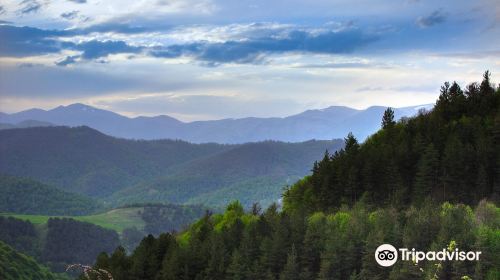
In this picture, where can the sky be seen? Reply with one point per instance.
(213, 59)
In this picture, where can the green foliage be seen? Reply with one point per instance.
(168, 218)
(21, 235)
(69, 241)
(16, 266)
(59, 242)
(388, 118)
(339, 245)
(25, 196)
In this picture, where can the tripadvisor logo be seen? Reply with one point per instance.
(387, 255)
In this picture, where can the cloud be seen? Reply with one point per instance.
(29, 65)
(30, 6)
(370, 88)
(2, 10)
(435, 18)
(253, 50)
(197, 105)
(115, 27)
(78, 1)
(97, 49)
(246, 47)
(346, 65)
(70, 15)
(472, 55)
(28, 41)
(67, 61)
(407, 88)
(47, 82)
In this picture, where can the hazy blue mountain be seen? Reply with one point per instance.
(24, 124)
(330, 123)
(119, 171)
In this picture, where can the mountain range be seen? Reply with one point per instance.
(331, 123)
(122, 171)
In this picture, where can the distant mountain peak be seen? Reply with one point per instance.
(323, 124)
(33, 111)
(78, 107)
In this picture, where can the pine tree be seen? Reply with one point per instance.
(426, 179)
(120, 264)
(388, 118)
(236, 268)
(217, 259)
(291, 269)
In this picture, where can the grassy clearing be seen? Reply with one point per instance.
(116, 219)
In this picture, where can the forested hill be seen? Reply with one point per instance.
(450, 154)
(388, 190)
(121, 171)
(252, 172)
(25, 196)
(86, 161)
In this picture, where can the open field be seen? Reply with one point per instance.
(116, 219)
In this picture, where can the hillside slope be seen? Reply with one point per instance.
(17, 266)
(254, 172)
(85, 161)
(24, 196)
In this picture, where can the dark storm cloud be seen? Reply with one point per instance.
(251, 51)
(435, 18)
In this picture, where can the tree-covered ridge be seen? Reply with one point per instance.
(16, 266)
(252, 172)
(85, 161)
(340, 245)
(451, 153)
(119, 171)
(26, 196)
